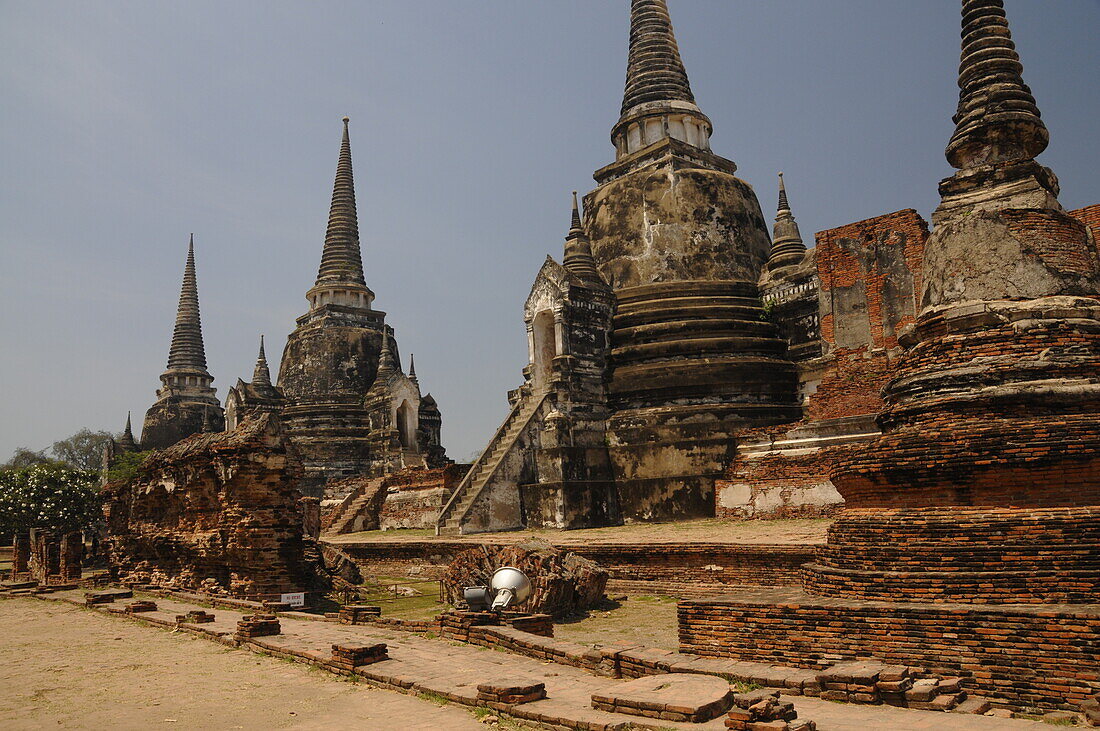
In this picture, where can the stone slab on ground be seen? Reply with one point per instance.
(670, 697)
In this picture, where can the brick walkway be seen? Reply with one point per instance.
(418, 664)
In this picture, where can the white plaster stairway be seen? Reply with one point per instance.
(485, 468)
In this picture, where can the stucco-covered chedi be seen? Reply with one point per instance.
(186, 401)
(331, 362)
(653, 321)
(682, 241)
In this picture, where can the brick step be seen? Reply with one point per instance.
(974, 704)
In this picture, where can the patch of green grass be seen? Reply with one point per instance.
(433, 697)
(742, 687)
(481, 712)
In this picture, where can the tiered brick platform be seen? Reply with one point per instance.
(1041, 656)
(962, 554)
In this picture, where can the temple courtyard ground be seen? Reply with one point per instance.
(791, 531)
(62, 666)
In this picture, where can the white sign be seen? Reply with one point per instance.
(297, 599)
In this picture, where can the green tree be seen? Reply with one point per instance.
(83, 450)
(49, 496)
(125, 467)
(24, 457)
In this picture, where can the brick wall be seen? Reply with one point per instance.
(415, 497)
(1046, 659)
(1090, 216)
(781, 483)
(870, 271)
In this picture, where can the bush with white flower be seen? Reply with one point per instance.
(48, 496)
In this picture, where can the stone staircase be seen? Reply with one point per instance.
(486, 466)
(349, 516)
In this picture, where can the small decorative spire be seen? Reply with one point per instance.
(127, 441)
(261, 375)
(578, 249)
(997, 119)
(207, 425)
(386, 362)
(412, 369)
(342, 259)
(187, 351)
(787, 245)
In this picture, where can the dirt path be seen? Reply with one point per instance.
(63, 667)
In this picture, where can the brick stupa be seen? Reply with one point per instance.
(985, 486)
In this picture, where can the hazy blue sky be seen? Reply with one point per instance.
(125, 126)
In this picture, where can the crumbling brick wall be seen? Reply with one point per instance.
(415, 497)
(868, 275)
(216, 512)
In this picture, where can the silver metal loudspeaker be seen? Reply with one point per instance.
(509, 587)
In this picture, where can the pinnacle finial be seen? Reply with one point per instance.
(655, 72)
(578, 249)
(784, 205)
(386, 362)
(412, 368)
(261, 375)
(341, 260)
(787, 245)
(187, 351)
(997, 119)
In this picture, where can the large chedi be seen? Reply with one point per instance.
(985, 485)
(331, 362)
(186, 401)
(649, 348)
(682, 241)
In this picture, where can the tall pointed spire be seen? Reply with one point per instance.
(578, 249)
(187, 351)
(654, 72)
(657, 101)
(784, 204)
(412, 369)
(342, 260)
(997, 119)
(261, 375)
(787, 245)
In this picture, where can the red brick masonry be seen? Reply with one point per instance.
(1044, 656)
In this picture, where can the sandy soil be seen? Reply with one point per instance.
(64, 667)
(782, 532)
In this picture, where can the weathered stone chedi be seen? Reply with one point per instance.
(682, 241)
(970, 537)
(649, 347)
(990, 459)
(350, 409)
(186, 402)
